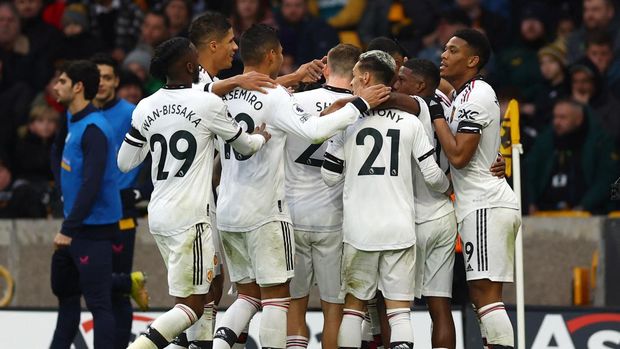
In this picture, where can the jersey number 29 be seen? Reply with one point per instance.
(187, 155)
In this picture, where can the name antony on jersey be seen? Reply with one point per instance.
(170, 109)
(386, 113)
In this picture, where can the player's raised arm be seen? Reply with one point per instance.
(252, 81)
(403, 102)
(423, 153)
(133, 151)
(308, 72)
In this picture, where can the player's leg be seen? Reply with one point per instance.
(94, 263)
(65, 286)
(397, 283)
(490, 268)
(239, 314)
(297, 330)
(379, 326)
(122, 261)
(438, 264)
(359, 283)
(189, 276)
(273, 272)
(326, 255)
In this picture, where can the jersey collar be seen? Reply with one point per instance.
(111, 104)
(90, 108)
(176, 87)
(203, 70)
(477, 77)
(336, 89)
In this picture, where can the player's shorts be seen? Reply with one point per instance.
(391, 271)
(317, 260)
(265, 255)
(189, 258)
(435, 242)
(488, 236)
(217, 244)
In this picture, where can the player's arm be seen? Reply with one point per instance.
(95, 150)
(403, 102)
(423, 153)
(308, 72)
(252, 81)
(226, 128)
(460, 148)
(133, 151)
(332, 170)
(294, 120)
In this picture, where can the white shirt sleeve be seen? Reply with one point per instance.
(472, 118)
(133, 151)
(226, 128)
(332, 170)
(423, 153)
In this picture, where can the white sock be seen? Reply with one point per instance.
(242, 338)
(167, 326)
(296, 342)
(483, 333)
(400, 325)
(497, 324)
(350, 333)
(272, 333)
(202, 330)
(236, 318)
(366, 331)
(375, 323)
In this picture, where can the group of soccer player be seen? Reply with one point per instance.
(346, 186)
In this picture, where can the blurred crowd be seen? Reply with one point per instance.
(559, 58)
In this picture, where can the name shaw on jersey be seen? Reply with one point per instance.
(171, 109)
(245, 95)
(386, 113)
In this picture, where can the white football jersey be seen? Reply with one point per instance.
(429, 204)
(179, 126)
(475, 109)
(379, 153)
(314, 206)
(252, 188)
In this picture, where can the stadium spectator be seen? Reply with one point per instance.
(486, 21)
(450, 21)
(139, 62)
(179, 13)
(116, 23)
(77, 42)
(588, 87)
(249, 12)
(572, 164)
(130, 87)
(517, 65)
(597, 15)
(600, 51)
(154, 30)
(303, 36)
(552, 64)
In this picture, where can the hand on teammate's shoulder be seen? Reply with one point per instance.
(262, 130)
(255, 81)
(375, 95)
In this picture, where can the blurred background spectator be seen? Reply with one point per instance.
(249, 12)
(179, 13)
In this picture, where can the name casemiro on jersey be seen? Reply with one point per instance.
(171, 109)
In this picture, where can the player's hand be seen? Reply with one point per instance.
(375, 95)
(498, 169)
(61, 240)
(450, 190)
(262, 130)
(337, 105)
(311, 71)
(255, 81)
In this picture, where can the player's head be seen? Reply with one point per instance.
(466, 53)
(213, 36)
(372, 68)
(77, 80)
(418, 77)
(390, 46)
(568, 115)
(175, 60)
(108, 77)
(260, 46)
(340, 61)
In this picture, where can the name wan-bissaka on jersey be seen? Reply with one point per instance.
(171, 109)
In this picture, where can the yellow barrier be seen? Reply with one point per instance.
(10, 287)
(563, 213)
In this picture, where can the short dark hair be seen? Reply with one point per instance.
(425, 68)
(85, 72)
(166, 54)
(256, 42)
(478, 43)
(209, 25)
(105, 59)
(599, 37)
(381, 69)
(342, 58)
(159, 13)
(385, 44)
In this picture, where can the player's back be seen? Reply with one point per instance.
(175, 123)
(252, 188)
(475, 109)
(314, 206)
(378, 190)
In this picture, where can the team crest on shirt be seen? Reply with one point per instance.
(297, 109)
